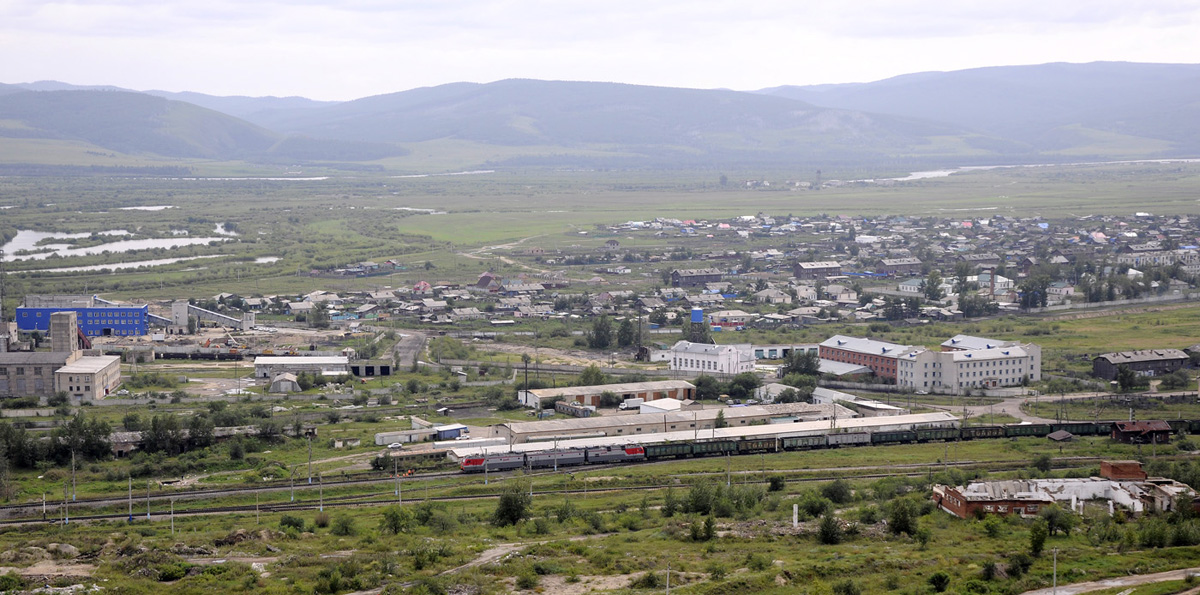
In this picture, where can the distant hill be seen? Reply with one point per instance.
(140, 124)
(656, 123)
(1048, 107)
(262, 111)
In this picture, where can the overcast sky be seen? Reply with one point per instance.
(327, 49)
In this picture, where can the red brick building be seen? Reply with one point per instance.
(1122, 470)
(880, 356)
(969, 504)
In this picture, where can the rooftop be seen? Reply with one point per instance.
(864, 345)
(89, 364)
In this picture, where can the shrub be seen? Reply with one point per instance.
(829, 532)
(321, 520)
(343, 526)
(527, 581)
(289, 521)
(1037, 536)
(650, 580)
(776, 483)
(939, 581)
(847, 587)
(838, 491)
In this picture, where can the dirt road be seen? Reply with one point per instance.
(1122, 581)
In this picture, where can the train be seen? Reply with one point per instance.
(560, 457)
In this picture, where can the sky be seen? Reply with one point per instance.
(341, 50)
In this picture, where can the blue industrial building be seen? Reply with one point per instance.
(95, 321)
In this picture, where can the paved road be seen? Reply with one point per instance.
(409, 348)
(1123, 581)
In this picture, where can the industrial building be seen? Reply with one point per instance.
(1119, 484)
(590, 395)
(960, 370)
(657, 423)
(270, 366)
(66, 368)
(816, 270)
(97, 317)
(880, 356)
(841, 425)
(1149, 362)
(706, 358)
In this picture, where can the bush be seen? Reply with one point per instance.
(293, 522)
(847, 587)
(321, 520)
(527, 581)
(650, 580)
(343, 526)
(939, 581)
(1037, 536)
(776, 483)
(838, 491)
(829, 532)
(512, 507)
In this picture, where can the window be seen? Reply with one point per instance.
(20, 371)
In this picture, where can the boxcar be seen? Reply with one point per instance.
(974, 432)
(1178, 424)
(615, 454)
(668, 449)
(1027, 430)
(849, 439)
(893, 436)
(715, 447)
(550, 458)
(927, 434)
(757, 445)
(802, 442)
(1082, 428)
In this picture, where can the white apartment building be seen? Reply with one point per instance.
(712, 359)
(955, 372)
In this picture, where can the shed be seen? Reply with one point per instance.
(1060, 436)
(285, 383)
(1142, 432)
(449, 432)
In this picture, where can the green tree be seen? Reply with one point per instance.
(940, 581)
(697, 332)
(320, 316)
(1038, 533)
(601, 334)
(829, 531)
(592, 376)
(707, 387)
(932, 286)
(132, 422)
(904, 516)
(720, 421)
(396, 519)
(626, 334)
(513, 506)
(192, 323)
(803, 362)
(838, 491)
(1043, 463)
(1057, 519)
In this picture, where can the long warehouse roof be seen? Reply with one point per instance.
(785, 430)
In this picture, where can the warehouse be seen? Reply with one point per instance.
(590, 395)
(805, 428)
(1149, 362)
(654, 423)
(270, 366)
(97, 318)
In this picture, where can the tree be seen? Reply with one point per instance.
(600, 336)
(932, 287)
(720, 421)
(904, 517)
(697, 332)
(320, 316)
(1042, 463)
(829, 531)
(1037, 536)
(1127, 379)
(743, 385)
(200, 431)
(838, 491)
(939, 581)
(396, 520)
(191, 325)
(513, 506)
(1057, 519)
(626, 334)
(707, 387)
(592, 376)
(803, 362)
(132, 422)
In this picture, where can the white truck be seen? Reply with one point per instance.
(631, 404)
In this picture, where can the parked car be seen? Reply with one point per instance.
(395, 445)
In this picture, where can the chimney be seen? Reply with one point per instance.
(64, 331)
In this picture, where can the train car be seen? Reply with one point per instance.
(714, 447)
(749, 445)
(668, 449)
(555, 458)
(1194, 426)
(1178, 425)
(615, 454)
(849, 439)
(1083, 428)
(804, 442)
(892, 437)
(1017, 430)
(928, 434)
(493, 462)
(975, 432)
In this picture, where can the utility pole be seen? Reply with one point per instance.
(147, 499)
(131, 498)
(66, 506)
(73, 497)
(1055, 551)
(321, 493)
(310, 460)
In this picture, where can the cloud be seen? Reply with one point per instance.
(351, 48)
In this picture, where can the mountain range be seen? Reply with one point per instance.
(1008, 114)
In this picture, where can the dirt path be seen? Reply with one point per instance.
(1123, 581)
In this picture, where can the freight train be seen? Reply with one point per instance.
(558, 457)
